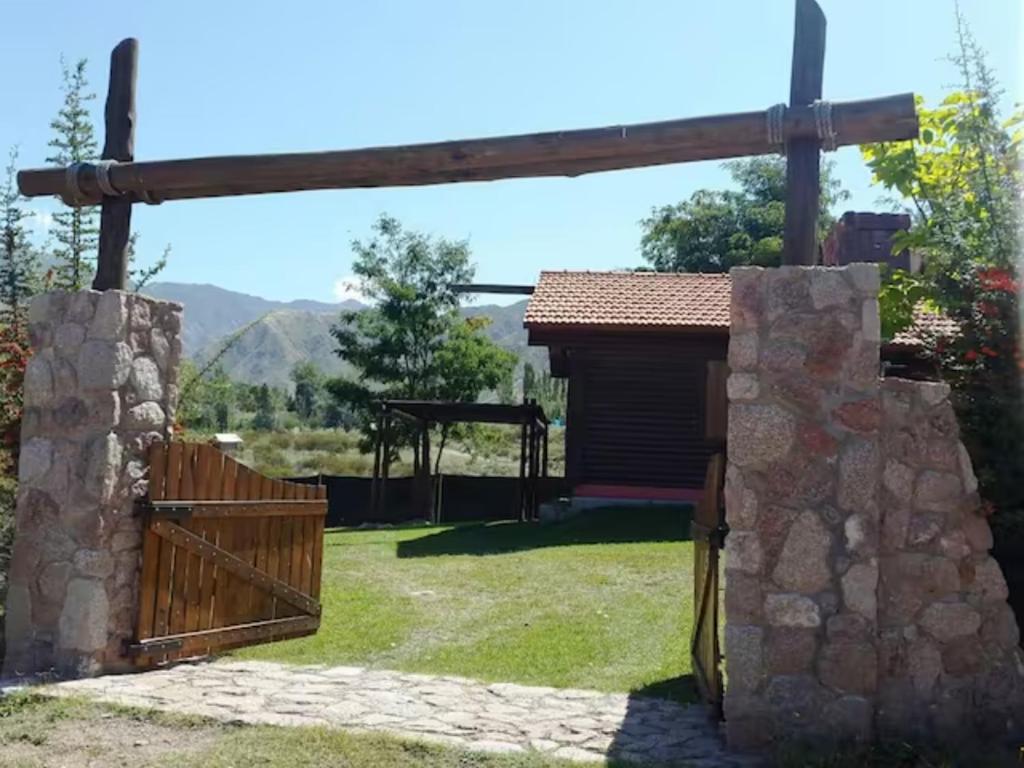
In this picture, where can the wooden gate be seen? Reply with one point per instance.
(708, 531)
(229, 557)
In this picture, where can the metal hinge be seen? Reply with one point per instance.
(166, 510)
(149, 647)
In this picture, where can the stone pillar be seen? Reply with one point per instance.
(950, 662)
(100, 387)
(801, 565)
(859, 595)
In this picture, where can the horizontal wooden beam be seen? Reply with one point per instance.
(525, 290)
(563, 153)
(183, 510)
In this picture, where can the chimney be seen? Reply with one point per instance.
(860, 237)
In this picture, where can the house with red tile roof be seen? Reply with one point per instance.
(641, 350)
(635, 347)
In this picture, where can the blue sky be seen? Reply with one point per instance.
(250, 77)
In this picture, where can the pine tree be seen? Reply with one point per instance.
(19, 267)
(18, 280)
(74, 141)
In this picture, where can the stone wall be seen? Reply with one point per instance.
(860, 599)
(100, 387)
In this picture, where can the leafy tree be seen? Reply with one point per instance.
(529, 380)
(466, 364)
(266, 410)
(962, 182)
(718, 229)
(411, 343)
(549, 392)
(207, 400)
(309, 390)
(75, 229)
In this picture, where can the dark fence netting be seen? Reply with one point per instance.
(462, 498)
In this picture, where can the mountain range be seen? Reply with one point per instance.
(286, 333)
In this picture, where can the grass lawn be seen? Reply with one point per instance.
(600, 601)
(39, 733)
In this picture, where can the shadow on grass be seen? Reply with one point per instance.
(609, 525)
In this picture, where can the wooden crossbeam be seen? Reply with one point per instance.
(562, 153)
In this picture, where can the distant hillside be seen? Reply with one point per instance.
(212, 313)
(291, 332)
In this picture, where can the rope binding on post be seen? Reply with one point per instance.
(103, 178)
(774, 122)
(823, 124)
(75, 196)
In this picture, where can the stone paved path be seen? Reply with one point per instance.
(502, 717)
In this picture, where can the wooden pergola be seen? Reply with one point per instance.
(425, 414)
(800, 130)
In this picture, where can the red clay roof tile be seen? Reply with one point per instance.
(658, 299)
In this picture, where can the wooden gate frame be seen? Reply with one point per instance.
(708, 531)
(229, 558)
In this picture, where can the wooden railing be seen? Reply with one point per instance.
(230, 557)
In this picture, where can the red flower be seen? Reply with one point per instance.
(971, 355)
(989, 352)
(995, 279)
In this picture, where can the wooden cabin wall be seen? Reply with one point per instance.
(636, 409)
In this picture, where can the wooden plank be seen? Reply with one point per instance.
(116, 212)
(204, 469)
(187, 579)
(558, 153)
(227, 561)
(148, 583)
(174, 455)
(228, 479)
(187, 490)
(318, 556)
(161, 620)
(803, 155)
(157, 470)
(274, 534)
(192, 643)
(245, 542)
(181, 487)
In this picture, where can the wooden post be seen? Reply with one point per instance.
(547, 428)
(803, 156)
(116, 212)
(385, 461)
(375, 487)
(522, 472)
(428, 495)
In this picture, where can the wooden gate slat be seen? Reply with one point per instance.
(707, 531)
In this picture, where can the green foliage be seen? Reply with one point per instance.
(19, 265)
(74, 141)
(549, 392)
(309, 390)
(76, 230)
(412, 343)
(962, 182)
(266, 412)
(902, 293)
(716, 230)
